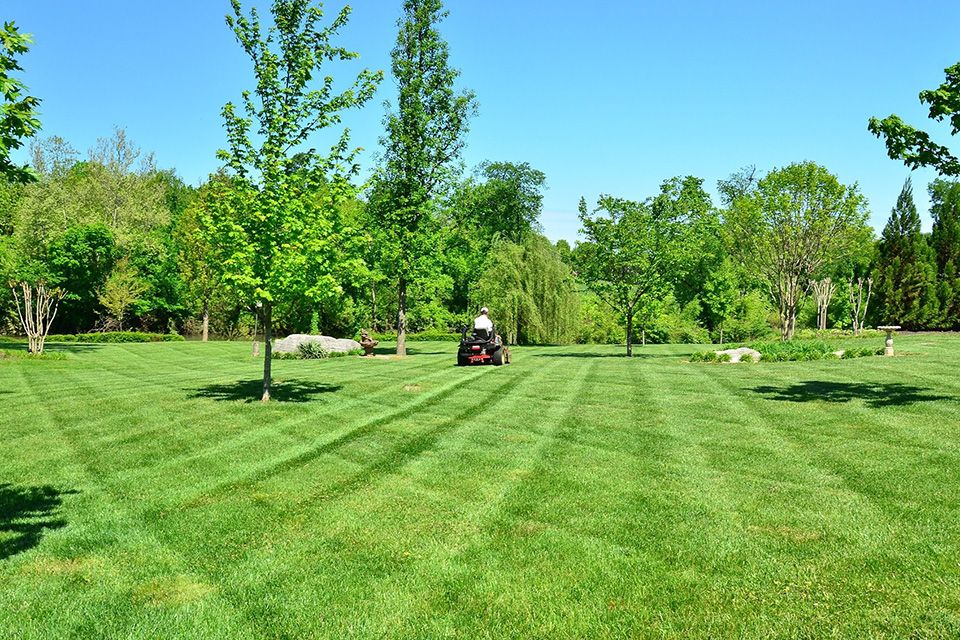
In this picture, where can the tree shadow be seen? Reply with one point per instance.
(252, 390)
(413, 350)
(890, 394)
(635, 356)
(26, 512)
(72, 347)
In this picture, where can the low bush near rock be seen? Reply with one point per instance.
(313, 351)
(791, 351)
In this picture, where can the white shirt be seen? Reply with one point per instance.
(483, 322)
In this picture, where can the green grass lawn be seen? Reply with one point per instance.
(573, 494)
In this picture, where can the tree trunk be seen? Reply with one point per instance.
(402, 317)
(267, 348)
(373, 305)
(721, 334)
(643, 337)
(630, 334)
(790, 323)
(206, 321)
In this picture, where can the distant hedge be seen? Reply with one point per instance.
(431, 335)
(116, 336)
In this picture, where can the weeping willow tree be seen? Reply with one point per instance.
(530, 292)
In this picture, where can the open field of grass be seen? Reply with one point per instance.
(573, 494)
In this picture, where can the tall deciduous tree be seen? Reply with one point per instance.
(945, 240)
(530, 292)
(914, 146)
(510, 199)
(423, 141)
(81, 261)
(280, 239)
(18, 112)
(626, 255)
(117, 186)
(791, 227)
(905, 275)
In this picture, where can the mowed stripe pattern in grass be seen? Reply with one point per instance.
(574, 493)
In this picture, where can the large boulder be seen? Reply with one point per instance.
(291, 344)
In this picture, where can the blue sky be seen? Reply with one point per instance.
(612, 98)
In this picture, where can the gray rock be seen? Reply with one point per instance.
(292, 343)
(736, 355)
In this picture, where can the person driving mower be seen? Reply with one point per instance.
(483, 321)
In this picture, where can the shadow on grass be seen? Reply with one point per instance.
(890, 394)
(414, 350)
(252, 390)
(71, 347)
(576, 354)
(25, 513)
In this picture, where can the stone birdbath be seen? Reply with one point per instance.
(888, 349)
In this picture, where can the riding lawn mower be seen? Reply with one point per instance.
(482, 347)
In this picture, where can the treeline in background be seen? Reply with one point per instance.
(123, 239)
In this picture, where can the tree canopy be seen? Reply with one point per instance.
(18, 111)
(626, 254)
(790, 227)
(914, 146)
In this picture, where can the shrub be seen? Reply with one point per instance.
(862, 352)
(708, 356)
(750, 319)
(116, 337)
(722, 357)
(312, 351)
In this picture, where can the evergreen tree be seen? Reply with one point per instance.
(905, 277)
(945, 239)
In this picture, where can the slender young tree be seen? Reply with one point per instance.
(823, 291)
(196, 257)
(720, 294)
(279, 234)
(859, 292)
(905, 275)
(424, 138)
